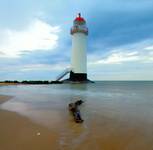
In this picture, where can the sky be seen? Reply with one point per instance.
(35, 40)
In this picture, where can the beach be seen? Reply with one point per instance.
(18, 132)
(40, 120)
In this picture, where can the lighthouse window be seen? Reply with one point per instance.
(75, 26)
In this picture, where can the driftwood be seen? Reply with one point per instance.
(74, 109)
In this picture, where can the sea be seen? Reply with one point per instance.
(112, 110)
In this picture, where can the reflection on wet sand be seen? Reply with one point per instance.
(42, 121)
(18, 132)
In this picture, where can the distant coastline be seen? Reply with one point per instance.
(27, 82)
(15, 82)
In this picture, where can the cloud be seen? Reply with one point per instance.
(122, 64)
(120, 23)
(59, 66)
(149, 48)
(141, 52)
(38, 35)
(44, 67)
(118, 58)
(32, 71)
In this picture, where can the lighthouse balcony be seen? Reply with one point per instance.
(80, 30)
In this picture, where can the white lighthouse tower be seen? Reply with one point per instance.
(79, 32)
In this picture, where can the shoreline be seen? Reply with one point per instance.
(4, 98)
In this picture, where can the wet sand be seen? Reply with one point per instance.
(101, 131)
(4, 98)
(20, 133)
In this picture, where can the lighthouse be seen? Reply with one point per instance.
(78, 68)
(79, 33)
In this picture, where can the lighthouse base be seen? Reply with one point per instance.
(78, 77)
